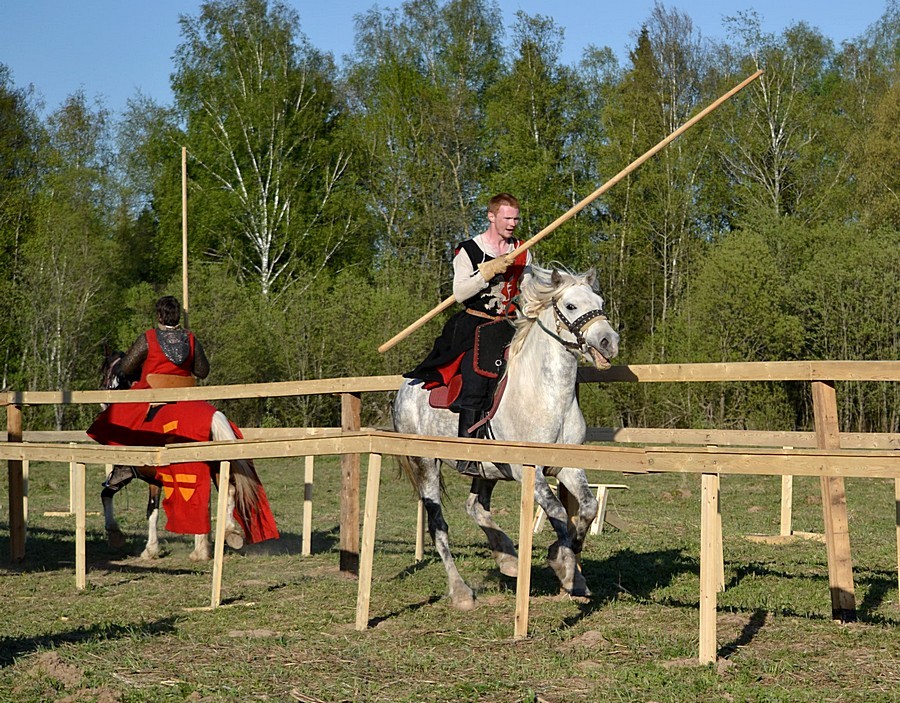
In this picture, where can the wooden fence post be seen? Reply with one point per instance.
(834, 507)
(364, 589)
(710, 554)
(349, 539)
(897, 523)
(16, 487)
(420, 530)
(76, 493)
(219, 546)
(306, 545)
(526, 534)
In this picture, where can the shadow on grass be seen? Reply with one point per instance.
(13, 647)
(413, 607)
(291, 543)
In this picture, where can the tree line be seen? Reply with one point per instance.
(324, 202)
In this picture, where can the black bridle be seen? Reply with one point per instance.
(575, 327)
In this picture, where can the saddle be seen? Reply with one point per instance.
(164, 380)
(491, 352)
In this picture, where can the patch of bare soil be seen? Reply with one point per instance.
(50, 665)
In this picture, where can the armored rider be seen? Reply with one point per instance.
(486, 281)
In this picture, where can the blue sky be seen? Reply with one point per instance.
(113, 48)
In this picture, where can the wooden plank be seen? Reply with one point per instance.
(635, 435)
(641, 373)
(306, 537)
(351, 404)
(219, 547)
(746, 371)
(523, 580)
(420, 530)
(370, 517)
(76, 478)
(834, 508)
(738, 438)
(897, 523)
(280, 389)
(16, 483)
(787, 505)
(709, 509)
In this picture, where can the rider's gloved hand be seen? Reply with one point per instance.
(494, 267)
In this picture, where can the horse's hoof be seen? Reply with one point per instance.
(234, 540)
(508, 565)
(463, 604)
(200, 556)
(115, 539)
(150, 554)
(462, 598)
(581, 592)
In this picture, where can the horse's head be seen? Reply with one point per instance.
(578, 313)
(110, 376)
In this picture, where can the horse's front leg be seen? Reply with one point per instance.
(576, 484)
(561, 554)
(461, 595)
(114, 535)
(151, 549)
(478, 506)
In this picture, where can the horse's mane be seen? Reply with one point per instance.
(536, 294)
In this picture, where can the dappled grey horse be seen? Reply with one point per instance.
(561, 321)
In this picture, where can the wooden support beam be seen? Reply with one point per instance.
(219, 548)
(897, 522)
(76, 492)
(710, 549)
(834, 507)
(349, 533)
(306, 545)
(523, 581)
(16, 479)
(420, 530)
(787, 506)
(370, 518)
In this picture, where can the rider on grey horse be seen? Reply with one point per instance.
(473, 340)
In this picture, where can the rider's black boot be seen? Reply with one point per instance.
(467, 418)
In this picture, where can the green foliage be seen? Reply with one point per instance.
(324, 202)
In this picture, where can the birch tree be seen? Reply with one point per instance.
(260, 114)
(65, 287)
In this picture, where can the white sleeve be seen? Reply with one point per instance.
(467, 280)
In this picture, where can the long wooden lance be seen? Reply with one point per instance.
(574, 210)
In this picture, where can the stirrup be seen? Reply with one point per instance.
(468, 467)
(119, 476)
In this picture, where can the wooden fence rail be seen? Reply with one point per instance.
(830, 459)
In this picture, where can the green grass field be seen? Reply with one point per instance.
(286, 629)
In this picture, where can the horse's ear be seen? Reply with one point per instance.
(556, 278)
(590, 277)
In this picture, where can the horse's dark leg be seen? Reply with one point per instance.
(561, 554)
(114, 536)
(430, 489)
(478, 506)
(576, 484)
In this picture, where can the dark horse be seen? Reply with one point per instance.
(246, 496)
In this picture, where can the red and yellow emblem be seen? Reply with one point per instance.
(185, 484)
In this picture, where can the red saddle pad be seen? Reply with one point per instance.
(443, 396)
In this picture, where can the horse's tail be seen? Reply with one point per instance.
(246, 486)
(250, 500)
